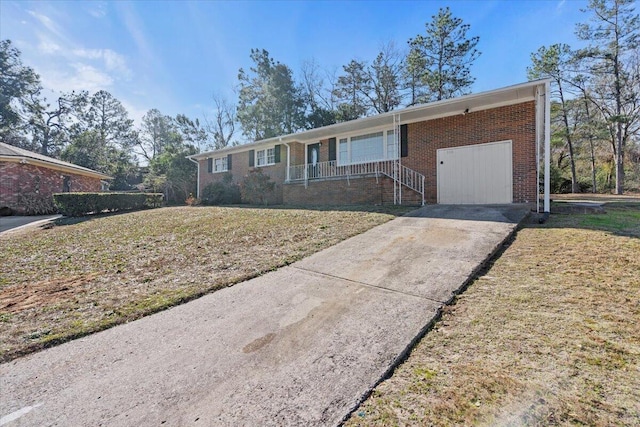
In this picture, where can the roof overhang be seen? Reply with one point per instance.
(510, 95)
(77, 170)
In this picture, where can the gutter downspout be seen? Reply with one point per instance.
(198, 177)
(547, 146)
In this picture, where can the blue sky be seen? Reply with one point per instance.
(175, 55)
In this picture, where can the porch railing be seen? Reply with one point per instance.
(391, 168)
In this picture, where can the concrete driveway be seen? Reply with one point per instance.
(299, 346)
(15, 222)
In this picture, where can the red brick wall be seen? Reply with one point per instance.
(297, 153)
(19, 178)
(356, 191)
(240, 168)
(514, 122)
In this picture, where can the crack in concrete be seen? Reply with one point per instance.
(368, 285)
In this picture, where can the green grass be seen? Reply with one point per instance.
(620, 217)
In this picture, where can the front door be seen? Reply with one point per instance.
(313, 158)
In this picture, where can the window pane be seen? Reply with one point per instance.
(271, 156)
(260, 158)
(392, 147)
(343, 152)
(220, 164)
(367, 148)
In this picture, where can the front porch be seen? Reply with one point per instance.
(402, 178)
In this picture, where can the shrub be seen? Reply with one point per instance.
(191, 201)
(79, 204)
(256, 188)
(223, 192)
(36, 204)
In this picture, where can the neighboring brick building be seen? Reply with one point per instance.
(476, 149)
(29, 179)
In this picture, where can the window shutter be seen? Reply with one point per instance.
(252, 158)
(332, 149)
(404, 143)
(228, 162)
(210, 165)
(276, 153)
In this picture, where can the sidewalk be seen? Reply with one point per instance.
(298, 346)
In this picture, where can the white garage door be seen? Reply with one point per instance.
(475, 174)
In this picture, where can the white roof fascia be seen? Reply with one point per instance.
(509, 95)
(78, 170)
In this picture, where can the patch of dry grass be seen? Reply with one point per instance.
(71, 280)
(549, 335)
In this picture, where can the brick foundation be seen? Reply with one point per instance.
(359, 190)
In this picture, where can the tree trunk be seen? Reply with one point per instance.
(574, 179)
(594, 183)
(619, 138)
(619, 161)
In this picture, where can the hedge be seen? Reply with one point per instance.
(79, 204)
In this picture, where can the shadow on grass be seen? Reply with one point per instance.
(72, 220)
(395, 210)
(384, 209)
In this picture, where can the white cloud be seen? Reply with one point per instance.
(134, 112)
(97, 9)
(87, 53)
(111, 60)
(66, 64)
(77, 76)
(116, 62)
(135, 28)
(48, 47)
(48, 23)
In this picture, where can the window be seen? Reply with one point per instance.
(392, 146)
(367, 148)
(343, 154)
(266, 157)
(220, 164)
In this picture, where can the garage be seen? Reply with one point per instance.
(475, 174)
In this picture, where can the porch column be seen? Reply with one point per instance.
(288, 161)
(547, 145)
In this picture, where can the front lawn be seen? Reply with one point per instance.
(548, 335)
(80, 277)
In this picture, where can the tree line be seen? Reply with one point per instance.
(596, 101)
(595, 105)
(435, 65)
(95, 131)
